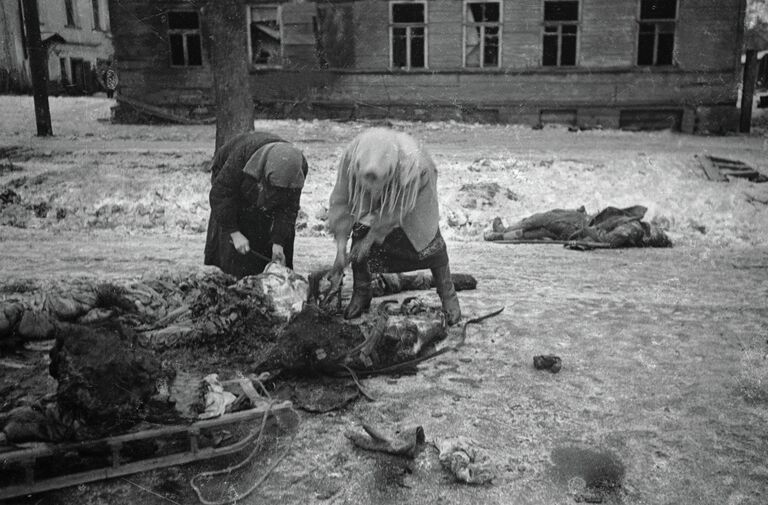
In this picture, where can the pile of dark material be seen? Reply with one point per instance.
(611, 226)
(106, 383)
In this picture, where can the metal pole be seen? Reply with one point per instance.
(748, 90)
(38, 65)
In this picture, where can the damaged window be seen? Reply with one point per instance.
(266, 40)
(408, 30)
(482, 34)
(656, 32)
(560, 33)
(185, 38)
(70, 7)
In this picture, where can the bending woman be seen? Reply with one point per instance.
(386, 197)
(256, 183)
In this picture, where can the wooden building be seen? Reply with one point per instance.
(591, 63)
(76, 34)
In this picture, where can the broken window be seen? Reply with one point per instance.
(185, 38)
(408, 29)
(656, 32)
(560, 32)
(70, 7)
(266, 40)
(482, 34)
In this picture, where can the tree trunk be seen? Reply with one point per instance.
(38, 65)
(228, 33)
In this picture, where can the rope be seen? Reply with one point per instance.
(248, 459)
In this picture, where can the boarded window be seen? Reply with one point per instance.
(669, 119)
(266, 41)
(408, 32)
(70, 7)
(656, 32)
(482, 34)
(185, 39)
(560, 41)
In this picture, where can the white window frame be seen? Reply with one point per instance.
(408, 26)
(559, 25)
(249, 19)
(656, 22)
(483, 25)
(184, 32)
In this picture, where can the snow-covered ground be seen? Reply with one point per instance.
(135, 178)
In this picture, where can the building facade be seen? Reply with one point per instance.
(591, 63)
(76, 34)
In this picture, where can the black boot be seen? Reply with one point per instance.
(444, 285)
(362, 292)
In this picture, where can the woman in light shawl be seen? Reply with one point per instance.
(256, 184)
(386, 197)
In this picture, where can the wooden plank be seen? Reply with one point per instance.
(711, 171)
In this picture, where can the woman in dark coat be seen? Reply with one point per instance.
(256, 183)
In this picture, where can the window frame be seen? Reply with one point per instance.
(75, 14)
(249, 20)
(184, 32)
(408, 26)
(96, 15)
(559, 25)
(656, 22)
(466, 24)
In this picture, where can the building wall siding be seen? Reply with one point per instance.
(606, 79)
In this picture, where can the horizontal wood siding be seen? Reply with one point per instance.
(708, 34)
(372, 34)
(608, 33)
(522, 33)
(445, 34)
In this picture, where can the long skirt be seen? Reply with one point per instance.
(397, 254)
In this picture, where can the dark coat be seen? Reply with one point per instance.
(265, 214)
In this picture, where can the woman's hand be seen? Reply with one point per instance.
(240, 242)
(278, 255)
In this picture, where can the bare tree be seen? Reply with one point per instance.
(229, 62)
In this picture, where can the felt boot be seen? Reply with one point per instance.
(447, 292)
(362, 292)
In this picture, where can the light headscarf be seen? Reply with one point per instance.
(384, 172)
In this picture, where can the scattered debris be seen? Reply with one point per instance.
(216, 399)
(403, 443)
(547, 362)
(723, 169)
(465, 460)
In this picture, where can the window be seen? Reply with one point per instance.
(96, 14)
(266, 40)
(408, 33)
(560, 32)
(656, 32)
(63, 71)
(482, 34)
(184, 38)
(70, 6)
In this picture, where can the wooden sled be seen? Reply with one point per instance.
(25, 459)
